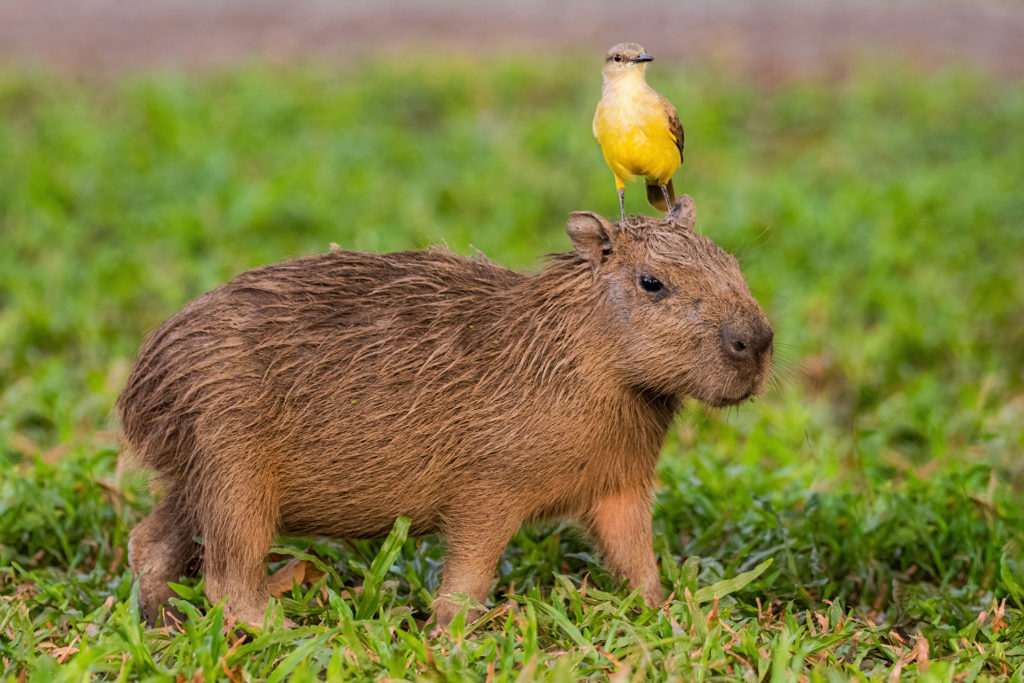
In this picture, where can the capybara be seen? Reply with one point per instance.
(331, 394)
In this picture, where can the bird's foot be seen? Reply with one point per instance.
(668, 200)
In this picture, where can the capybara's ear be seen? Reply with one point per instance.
(684, 213)
(591, 234)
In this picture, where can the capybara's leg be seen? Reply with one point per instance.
(621, 525)
(159, 548)
(473, 554)
(238, 521)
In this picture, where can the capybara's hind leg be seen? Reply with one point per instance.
(238, 524)
(159, 549)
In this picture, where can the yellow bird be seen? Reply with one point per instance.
(638, 129)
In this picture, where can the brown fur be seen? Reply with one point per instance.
(329, 395)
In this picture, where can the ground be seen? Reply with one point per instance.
(768, 41)
(861, 520)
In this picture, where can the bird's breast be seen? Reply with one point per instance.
(635, 138)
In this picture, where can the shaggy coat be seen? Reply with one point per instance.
(330, 395)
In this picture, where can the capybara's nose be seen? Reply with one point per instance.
(743, 339)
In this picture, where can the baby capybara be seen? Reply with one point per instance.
(330, 395)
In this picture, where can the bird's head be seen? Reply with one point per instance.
(626, 57)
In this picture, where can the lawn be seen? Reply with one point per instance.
(879, 221)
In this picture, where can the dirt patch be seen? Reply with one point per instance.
(767, 41)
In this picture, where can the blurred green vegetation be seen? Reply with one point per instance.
(879, 220)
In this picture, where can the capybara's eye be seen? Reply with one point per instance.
(651, 284)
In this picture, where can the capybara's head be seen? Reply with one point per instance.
(680, 318)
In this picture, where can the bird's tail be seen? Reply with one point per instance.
(656, 198)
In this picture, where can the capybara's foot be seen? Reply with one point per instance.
(159, 549)
(231, 621)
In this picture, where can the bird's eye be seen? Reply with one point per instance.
(617, 58)
(651, 284)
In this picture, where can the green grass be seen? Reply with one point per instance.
(880, 221)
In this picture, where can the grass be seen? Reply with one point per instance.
(879, 220)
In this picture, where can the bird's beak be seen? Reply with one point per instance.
(644, 58)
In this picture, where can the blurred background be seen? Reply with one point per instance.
(862, 159)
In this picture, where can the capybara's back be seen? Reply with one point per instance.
(285, 349)
(330, 395)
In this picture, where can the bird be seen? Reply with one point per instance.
(638, 129)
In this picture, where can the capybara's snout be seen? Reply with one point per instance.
(746, 349)
(746, 339)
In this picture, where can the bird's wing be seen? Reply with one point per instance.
(674, 126)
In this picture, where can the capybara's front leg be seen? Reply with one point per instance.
(473, 553)
(159, 549)
(621, 525)
(238, 525)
